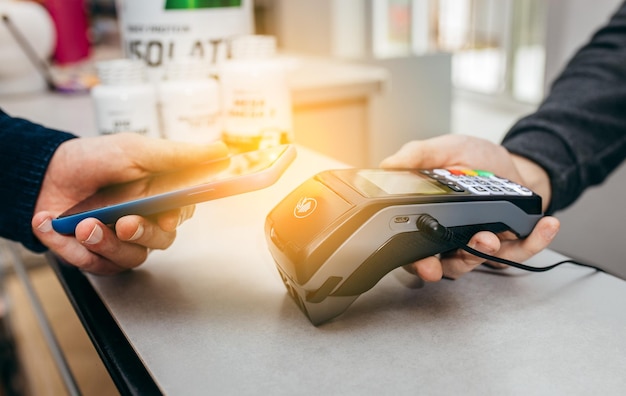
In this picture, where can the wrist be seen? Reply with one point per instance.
(534, 177)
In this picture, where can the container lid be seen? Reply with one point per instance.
(121, 72)
(187, 69)
(253, 46)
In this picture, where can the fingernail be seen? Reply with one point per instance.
(45, 226)
(137, 233)
(95, 236)
(484, 248)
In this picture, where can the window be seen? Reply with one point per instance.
(497, 45)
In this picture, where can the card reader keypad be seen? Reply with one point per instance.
(476, 182)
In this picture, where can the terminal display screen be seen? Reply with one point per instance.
(395, 183)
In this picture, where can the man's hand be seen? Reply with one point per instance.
(474, 153)
(80, 167)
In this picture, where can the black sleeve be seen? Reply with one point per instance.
(25, 151)
(578, 134)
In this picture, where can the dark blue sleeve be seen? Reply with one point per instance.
(25, 151)
(578, 134)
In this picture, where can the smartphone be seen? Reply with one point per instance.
(235, 174)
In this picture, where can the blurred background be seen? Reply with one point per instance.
(486, 62)
(460, 66)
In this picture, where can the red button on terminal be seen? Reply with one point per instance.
(469, 172)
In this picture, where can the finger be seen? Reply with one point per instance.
(69, 249)
(461, 262)
(102, 241)
(141, 231)
(542, 235)
(429, 269)
(431, 153)
(452, 150)
(170, 220)
(414, 154)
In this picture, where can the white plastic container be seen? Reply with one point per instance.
(159, 32)
(256, 100)
(124, 101)
(189, 102)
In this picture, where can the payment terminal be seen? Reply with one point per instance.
(337, 234)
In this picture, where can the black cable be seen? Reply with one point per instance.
(437, 232)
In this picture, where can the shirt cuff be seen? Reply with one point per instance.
(25, 153)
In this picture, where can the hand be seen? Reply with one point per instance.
(80, 167)
(474, 153)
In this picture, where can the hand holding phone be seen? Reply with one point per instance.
(232, 175)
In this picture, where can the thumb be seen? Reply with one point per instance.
(140, 156)
(430, 153)
(156, 155)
